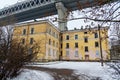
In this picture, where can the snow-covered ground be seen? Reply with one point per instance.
(90, 69)
(33, 75)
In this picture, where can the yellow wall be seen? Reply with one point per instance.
(81, 45)
(52, 49)
(45, 32)
(40, 36)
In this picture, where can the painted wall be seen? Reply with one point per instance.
(41, 36)
(52, 47)
(93, 52)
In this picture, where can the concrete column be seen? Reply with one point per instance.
(62, 16)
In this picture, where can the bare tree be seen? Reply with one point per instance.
(105, 13)
(13, 54)
(108, 12)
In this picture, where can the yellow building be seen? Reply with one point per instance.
(43, 33)
(82, 44)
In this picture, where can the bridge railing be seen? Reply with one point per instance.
(23, 5)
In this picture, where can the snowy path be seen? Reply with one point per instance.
(58, 74)
(87, 70)
(67, 71)
(33, 75)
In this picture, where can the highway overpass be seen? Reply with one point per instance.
(32, 9)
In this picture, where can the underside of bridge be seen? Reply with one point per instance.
(33, 9)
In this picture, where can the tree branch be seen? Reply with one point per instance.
(99, 20)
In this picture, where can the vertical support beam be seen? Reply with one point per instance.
(62, 16)
(100, 45)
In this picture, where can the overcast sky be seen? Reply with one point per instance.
(6, 3)
(71, 24)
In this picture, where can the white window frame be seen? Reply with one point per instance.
(75, 36)
(33, 30)
(76, 53)
(68, 36)
(67, 53)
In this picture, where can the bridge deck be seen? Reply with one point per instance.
(32, 9)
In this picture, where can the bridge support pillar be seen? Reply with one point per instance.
(62, 16)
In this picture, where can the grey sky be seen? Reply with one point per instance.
(6, 3)
(71, 24)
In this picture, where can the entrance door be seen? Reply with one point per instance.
(86, 57)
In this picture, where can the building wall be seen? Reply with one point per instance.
(40, 36)
(53, 42)
(93, 52)
(115, 52)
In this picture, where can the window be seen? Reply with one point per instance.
(49, 41)
(30, 51)
(31, 40)
(61, 38)
(85, 32)
(67, 45)
(53, 52)
(61, 45)
(32, 30)
(53, 43)
(76, 36)
(86, 48)
(76, 45)
(96, 44)
(53, 33)
(57, 44)
(61, 53)
(49, 31)
(57, 52)
(23, 41)
(24, 31)
(67, 53)
(49, 52)
(96, 35)
(97, 53)
(85, 39)
(76, 54)
(56, 35)
(67, 37)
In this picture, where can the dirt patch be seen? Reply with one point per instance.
(63, 74)
(58, 74)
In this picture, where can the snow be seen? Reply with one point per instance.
(33, 75)
(85, 71)
(91, 69)
(45, 63)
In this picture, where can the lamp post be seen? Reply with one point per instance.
(100, 45)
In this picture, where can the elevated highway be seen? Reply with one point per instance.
(32, 9)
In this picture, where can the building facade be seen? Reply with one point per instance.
(82, 44)
(43, 33)
(115, 50)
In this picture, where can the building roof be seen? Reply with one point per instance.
(47, 21)
(86, 29)
(37, 22)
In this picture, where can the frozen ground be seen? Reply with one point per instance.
(33, 75)
(88, 69)
(84, 70)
